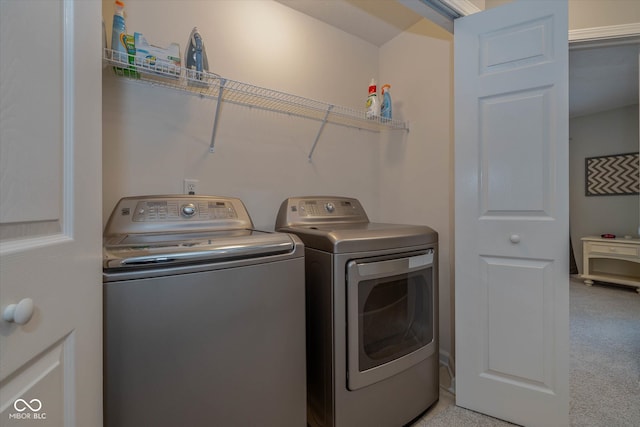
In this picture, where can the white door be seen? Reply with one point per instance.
(512, 212)
(50, 213)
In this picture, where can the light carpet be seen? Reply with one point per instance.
(455, 416)
(605, 356)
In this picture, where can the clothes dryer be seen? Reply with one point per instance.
(372, 313)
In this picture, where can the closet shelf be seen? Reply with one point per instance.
(213, 86)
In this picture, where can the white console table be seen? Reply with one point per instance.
(617, 249)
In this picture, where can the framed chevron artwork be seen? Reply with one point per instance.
(614, 175)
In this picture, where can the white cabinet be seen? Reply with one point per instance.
(623, 270)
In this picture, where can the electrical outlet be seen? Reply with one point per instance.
(190, 186)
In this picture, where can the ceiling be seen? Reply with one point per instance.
(600, 79)
(376, 21)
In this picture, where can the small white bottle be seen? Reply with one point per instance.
(373, 106)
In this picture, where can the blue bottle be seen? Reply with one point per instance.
(119, 29)
(385, 110)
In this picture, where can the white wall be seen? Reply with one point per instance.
(416, 173)
(601, 134)
(154, 137)
(599, 13)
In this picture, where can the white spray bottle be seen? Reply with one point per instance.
(373, 107)
(119, 29)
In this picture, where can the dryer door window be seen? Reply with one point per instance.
(390, 316)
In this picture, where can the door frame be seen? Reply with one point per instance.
(604, 36)
(443, 12)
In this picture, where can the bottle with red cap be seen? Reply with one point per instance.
(119, 29)
(373, 107)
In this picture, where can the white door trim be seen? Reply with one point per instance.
(578, 38)
(463, 7)
(599, 36)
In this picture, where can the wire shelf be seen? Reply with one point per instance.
(212, 85)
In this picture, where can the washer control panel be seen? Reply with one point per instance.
(177, 213)
(181, 210)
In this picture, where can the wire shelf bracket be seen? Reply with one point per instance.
(324, 122)
(217, 116)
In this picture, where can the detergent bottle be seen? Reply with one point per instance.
(385, 110)
(373, 107)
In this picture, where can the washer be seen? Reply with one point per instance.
(203, 316)
(372, 314)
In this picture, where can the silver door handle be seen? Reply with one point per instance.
(394, 266)
(514, 238)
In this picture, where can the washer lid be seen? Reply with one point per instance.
(156, 250)
(166, 230)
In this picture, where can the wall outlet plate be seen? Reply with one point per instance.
(190, 186)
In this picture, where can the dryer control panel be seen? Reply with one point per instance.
(302, 211)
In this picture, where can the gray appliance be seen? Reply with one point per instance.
(203, 316)
(372, 314)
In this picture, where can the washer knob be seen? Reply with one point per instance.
(188, 210)
(330, 207)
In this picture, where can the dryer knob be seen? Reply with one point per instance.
(188, 210)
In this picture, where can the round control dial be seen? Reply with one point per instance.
(330, 207)
(188, 210)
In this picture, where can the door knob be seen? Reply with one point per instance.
(515, 238)
(19, 313)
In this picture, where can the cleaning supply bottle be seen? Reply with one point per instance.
(122, 45)
(373, 107)
(119, 30)
(385, 110)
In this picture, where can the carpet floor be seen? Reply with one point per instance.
(605, 356)
(604, 364)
